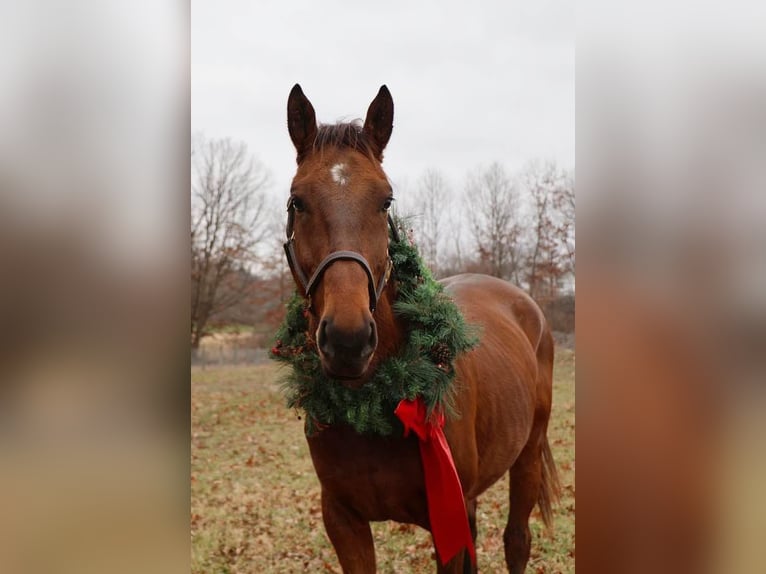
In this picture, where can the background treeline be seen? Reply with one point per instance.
(516, 225)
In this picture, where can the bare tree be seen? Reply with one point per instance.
(492, 205)
(552, 227)
(276, 284)
(432, 200)
(228, 221)
(452, 260)
(564, 201)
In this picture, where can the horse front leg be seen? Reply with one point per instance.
(462, 563)
(350, 535)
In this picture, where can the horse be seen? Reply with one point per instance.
(338, 224)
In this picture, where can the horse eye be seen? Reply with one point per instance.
(297, 204)
(387, 204)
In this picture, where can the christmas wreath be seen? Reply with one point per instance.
(423, 368)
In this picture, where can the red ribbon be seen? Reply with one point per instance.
(446, 505)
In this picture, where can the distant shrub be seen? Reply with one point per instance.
(560, 312)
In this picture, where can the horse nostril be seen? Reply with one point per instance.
(373, 340)
(322, 339)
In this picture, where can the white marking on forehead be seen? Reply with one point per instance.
(338, 172)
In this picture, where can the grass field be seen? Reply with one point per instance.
(255, 499)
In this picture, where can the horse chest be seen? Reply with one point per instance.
(380, 478)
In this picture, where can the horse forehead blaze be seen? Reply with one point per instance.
(338, 173)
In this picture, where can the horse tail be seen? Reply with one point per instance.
(550, 487)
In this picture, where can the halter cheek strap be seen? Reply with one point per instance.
(309, 285)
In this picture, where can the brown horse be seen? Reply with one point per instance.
(339, 202)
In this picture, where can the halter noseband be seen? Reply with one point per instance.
(310, 284)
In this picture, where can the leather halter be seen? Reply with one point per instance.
(310, 284)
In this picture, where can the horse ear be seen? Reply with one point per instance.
(301, 121)
(380, 120)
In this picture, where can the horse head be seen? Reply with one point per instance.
(338, 229)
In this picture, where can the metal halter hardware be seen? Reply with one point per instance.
(310, 284)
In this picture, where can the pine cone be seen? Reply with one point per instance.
(440, 354)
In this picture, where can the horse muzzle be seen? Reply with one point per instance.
(346, 352)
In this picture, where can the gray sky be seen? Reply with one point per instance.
(472, 83)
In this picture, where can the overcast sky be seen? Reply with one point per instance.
(472, 82)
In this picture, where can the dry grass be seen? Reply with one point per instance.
(255, 499)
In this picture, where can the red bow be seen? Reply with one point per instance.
(446, 506)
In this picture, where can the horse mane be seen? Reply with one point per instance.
(344, 135)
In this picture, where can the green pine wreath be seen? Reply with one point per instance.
(424, 367)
